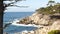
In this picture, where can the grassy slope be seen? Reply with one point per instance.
(49, 9)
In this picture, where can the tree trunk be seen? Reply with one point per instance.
(1, 16)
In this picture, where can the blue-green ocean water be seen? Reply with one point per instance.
(10, 16)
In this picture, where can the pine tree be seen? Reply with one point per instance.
(51, 3)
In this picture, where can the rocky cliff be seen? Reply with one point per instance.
(48, 18)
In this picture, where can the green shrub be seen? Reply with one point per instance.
(54, 32)
(49, 9)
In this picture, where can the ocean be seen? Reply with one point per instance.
(11, 16)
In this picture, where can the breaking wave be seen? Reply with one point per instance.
(17, 20)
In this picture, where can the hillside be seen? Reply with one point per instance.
(44, 16)
(48, 18)
(50, 9)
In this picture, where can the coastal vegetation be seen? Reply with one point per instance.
(50, 9)
(54, 32)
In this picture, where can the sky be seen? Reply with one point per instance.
(32, 5)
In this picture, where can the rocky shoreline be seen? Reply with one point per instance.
(49, 23)
(48, 20)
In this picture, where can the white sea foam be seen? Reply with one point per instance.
(24, 25)
(16, 20)
(15, 23)
(25, 31)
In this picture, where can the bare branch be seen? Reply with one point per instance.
(6, 5)
(20, 6)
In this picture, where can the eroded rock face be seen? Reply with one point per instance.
(46, 29)
(56, 25)
(38, 19)
(25, 20)
(47, 22)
